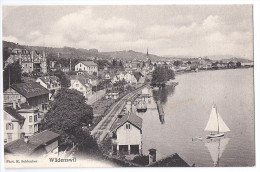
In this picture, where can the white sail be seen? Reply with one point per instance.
(212, 124)
(216, 122)
(216, 148)
(222, 126)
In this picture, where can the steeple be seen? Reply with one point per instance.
(147, 52)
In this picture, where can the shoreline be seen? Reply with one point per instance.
(188, 72)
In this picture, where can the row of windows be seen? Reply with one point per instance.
(35, 118)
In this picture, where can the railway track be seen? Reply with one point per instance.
(102, 129)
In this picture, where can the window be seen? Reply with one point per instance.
(35, 118)
(9, 126)
(127, 126)
(9, 137)
(35, 128)
(77, 85)
(30, 118)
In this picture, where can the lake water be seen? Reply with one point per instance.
(187, 108)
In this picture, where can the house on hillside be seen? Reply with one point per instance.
(25, 103)
(80, 84)
(52, 83)
(89, 66)
(31, 93)
(127, 134)
(13, 123)
(20, 121)
(29, 60)
(40, 144)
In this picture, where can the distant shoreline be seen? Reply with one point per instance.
(188, 72)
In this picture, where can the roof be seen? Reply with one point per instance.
(131, 118)
(30, 89)
(11, 111)
(88, 63)
(35, 141)
(173, 160)
(81, 79)
(48, 79)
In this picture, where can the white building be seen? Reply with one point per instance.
(88, 66)
(52, 83)
(127, 134)
(81, 84)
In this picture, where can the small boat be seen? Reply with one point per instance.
(141, 106)
(216, 124)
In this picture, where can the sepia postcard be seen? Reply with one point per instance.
(128, 86)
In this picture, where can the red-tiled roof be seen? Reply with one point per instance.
(35, 141)
(30, 89)
(11, 111)
(129, 117)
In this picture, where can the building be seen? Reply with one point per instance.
(13, 123)
(112, 95)
(89, 66)
(43, 143)
(80, 84)
(127, 134)
(27, 102)
(52, 83)
(31, 93)
(30, 61)
(20, 121)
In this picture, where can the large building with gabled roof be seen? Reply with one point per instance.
(89, 66)
(127, 134)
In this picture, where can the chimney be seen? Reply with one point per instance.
(32, 55)
(26, 140)
(14, 104)
(152, 155)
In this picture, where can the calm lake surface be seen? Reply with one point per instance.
(187, 108)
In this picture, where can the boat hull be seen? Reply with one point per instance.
(215, 135)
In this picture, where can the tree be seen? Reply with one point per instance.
(69, 116)
(15, 74)
(177, 63)
(65, 82)
(162, 74)
(238, 64)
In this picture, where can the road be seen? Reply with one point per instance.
(102, 128)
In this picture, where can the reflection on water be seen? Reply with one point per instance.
(163, 93)
(216, 148)
(161, 96)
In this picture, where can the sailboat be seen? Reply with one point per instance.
(216, 124)
(216, 148)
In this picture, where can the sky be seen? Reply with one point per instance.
(188, 30)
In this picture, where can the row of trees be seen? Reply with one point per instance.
(162, 74)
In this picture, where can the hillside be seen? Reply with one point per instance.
(130, 55)
(65, 52)
(83, 54)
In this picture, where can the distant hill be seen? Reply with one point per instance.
(131, 55)
(65, 52)
(126, 55)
